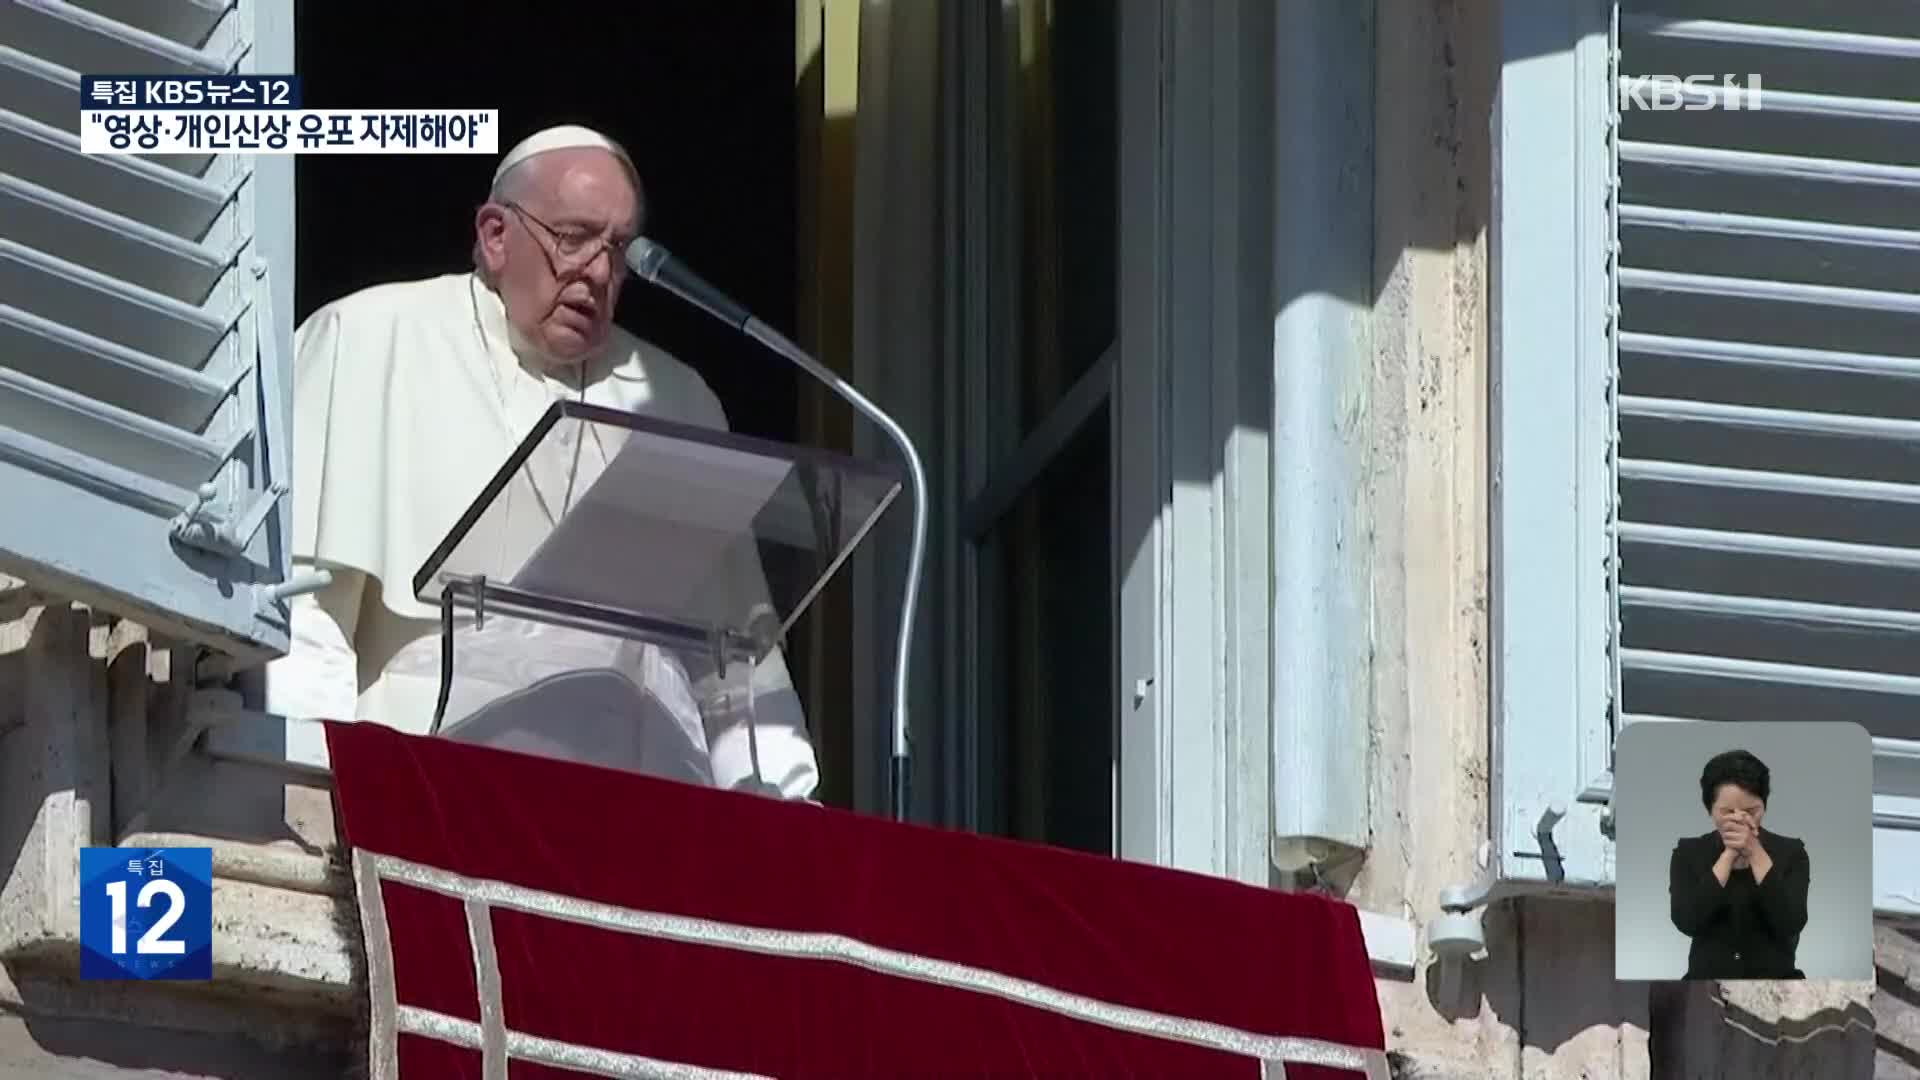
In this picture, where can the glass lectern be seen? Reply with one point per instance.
(615, 562)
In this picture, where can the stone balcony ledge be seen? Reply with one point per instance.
(95, 751)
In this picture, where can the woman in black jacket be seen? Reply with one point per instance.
(1740, 892)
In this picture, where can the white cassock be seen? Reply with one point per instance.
(407, 399)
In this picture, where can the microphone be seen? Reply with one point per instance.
(654, 264)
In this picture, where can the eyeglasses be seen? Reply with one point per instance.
(577, 248)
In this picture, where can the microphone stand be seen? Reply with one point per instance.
(655, 265)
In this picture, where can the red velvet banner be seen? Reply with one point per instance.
(721, 931)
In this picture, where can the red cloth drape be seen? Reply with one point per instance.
(1173, 943)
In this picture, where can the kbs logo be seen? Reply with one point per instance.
(172, 92)
(1667, 93)
(146, 913)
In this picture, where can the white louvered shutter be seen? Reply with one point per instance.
(145, 389)
(1768, 401)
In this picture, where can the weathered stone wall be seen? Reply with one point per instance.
(89, 717)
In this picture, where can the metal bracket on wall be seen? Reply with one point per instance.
(1456, 934)
(1549, 853)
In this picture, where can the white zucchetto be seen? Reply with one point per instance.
(563, 137)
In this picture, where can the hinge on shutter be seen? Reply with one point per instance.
(229, 529)
(1616, 629)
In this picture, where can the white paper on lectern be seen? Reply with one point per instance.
(572, 694)
(597, 717)
(666, 518)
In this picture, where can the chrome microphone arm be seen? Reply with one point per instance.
(916, 557)
(656, 265)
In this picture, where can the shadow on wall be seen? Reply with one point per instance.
(1701, 1029)
(1896, 1000)
(347, 923)
(1572, 946)
(63, 1028)
(1696, 1031)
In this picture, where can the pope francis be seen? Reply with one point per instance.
(408, 396)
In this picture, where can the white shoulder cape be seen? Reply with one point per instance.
(399, 422)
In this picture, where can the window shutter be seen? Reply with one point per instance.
(1768, 396)
(1551, 358)
(145, 389)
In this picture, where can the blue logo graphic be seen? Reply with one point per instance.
(146, 913)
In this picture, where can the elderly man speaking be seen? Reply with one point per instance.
(408, 397)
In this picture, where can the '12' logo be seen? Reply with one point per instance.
(146, 913)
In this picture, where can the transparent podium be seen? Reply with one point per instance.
(619, 573)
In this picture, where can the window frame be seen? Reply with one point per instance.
(1551, 671)
(1193, 381)
(1193, 794)
(989, 475)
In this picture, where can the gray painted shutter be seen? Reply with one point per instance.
(1768, 401)
(145, 389)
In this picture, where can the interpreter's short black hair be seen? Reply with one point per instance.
(1739, 768)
